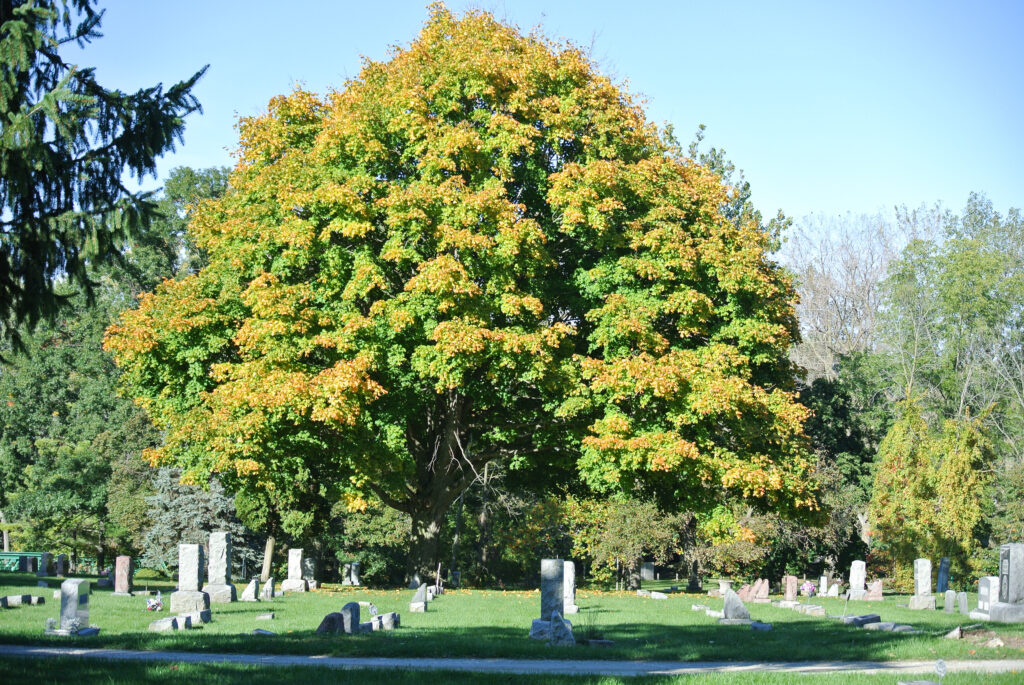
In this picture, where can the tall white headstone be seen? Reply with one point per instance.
(569, 588)
(295, 582)
(923, 598)
(858, 575)
(219, 585)
(189, 599)
(74, 603)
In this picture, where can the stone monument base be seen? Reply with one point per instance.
(189, 601)
(857, 595)
(418, 607)
(918, 602)
(572, 609)
(1006, 613)
(122, 594)
(293, 585)
(194, 618)
(221, 594)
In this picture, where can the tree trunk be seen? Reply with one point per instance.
(268, 557)
(7, 537)
(424, 542)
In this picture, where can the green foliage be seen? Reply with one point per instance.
(376, 537)
(65, 145)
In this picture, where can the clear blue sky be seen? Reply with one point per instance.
(827, 107)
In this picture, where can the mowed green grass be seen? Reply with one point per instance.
(482, 623)
(85, 672)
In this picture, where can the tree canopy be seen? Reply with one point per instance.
(477, 250)
(65, 144)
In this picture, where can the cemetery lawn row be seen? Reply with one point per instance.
(487, 623)
(86, 672)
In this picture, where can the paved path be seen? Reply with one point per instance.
(550, 666)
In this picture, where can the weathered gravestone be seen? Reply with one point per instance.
(744, 592)
(949, 602)
(760, 591)
(295, 582)
(45, 562)
(569, 588)
(267, 592)
(251, 591)
(74, 604)
(693, 583)
(1010, 607)
(988, 594)
(822, 585)
(647, 570)
(309, 573)
(942, 583)
(789, 584)
(961, 603)
(734, 612)
(923, 598)
(552, 573)
(219, 585)
(189, 598)
(874, 592)
(62, 564)
(415, 581)
(350, 618)
(858, 574)
(833, 591)
(418, 605)
(123, 576)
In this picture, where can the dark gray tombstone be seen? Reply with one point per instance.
(647, 570)
(1010, 607)
(350, 618)
(551, 597)
(942, 582)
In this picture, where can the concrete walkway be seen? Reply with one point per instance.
(610, 668)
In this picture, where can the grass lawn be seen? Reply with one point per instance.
(81, 672)
(483, 623)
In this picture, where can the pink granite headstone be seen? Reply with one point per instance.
(790, 585)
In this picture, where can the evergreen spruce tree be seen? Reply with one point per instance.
(187, 514)
(65, 144)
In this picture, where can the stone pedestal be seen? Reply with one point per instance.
(919, 602)
(221, 594)
(295, 581)
(293, 585)
(189, 601)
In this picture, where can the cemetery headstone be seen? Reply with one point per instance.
(950, 601)
(744, 593)
(295, 581)
(923, 597)
(267, 593)
(331, 623)
(346, 573)
(74, 604)
(734, 611)
(988, 594)
(309, 572)
(354, 572)
(415, 581)
(874, 592)
(62, 564)
(822, 585)
(418, 605)
(552, 572)
(251, 591)
(45, 561)
(219, 585)
(350, 618)
(833, 590)
(693, 584)
(942, 583)
(647, 570)
(789, 588)
(961, 603)
(123, 576)
(858, 574)
(569, 588)
(561, 631)
(1010, 607)
(761, 591)
(189, 598)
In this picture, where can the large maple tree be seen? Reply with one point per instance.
(477, 250)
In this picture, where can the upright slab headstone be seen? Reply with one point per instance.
(874, 592)
(357, 567)
(346, 573)
(415, 581)
(789, 584)
(822, 585)
(647, 570)
(418, 605)
(309, 572)
(858, 575)
(552, 572)
(988, 592)
(219, 585)
(569, 588)
(734, 611)
(761, 591)
(950, 601)
(923, 597)
(123, 576)
(62, 564)
(295, 581)
(693, 584)
(745, 592)
(189, 598)
(833, 590)
(74, 603)
(267, 593)
(1010, 607)
(942, 583)
(961, 603)
(45, 562)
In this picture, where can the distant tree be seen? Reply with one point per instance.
(65, 146)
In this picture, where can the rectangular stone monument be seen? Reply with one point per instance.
(267, 593)
(949, 601)
(647, 570)
(822, 585)
(790, 589)
(309, 572)
(923, 597)
(569, 588)
(988, 594)
(833, 590)
(418, 605)
(552, 572)
(123, 576)
(1010, 607)
(942, 583)
(62, 564)
(961, 603)
(874, 592)
(189, 598)
(760, 593)
(858, 575)
(219, 585)
(45, 562)
(295, 581)
(74, 603)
